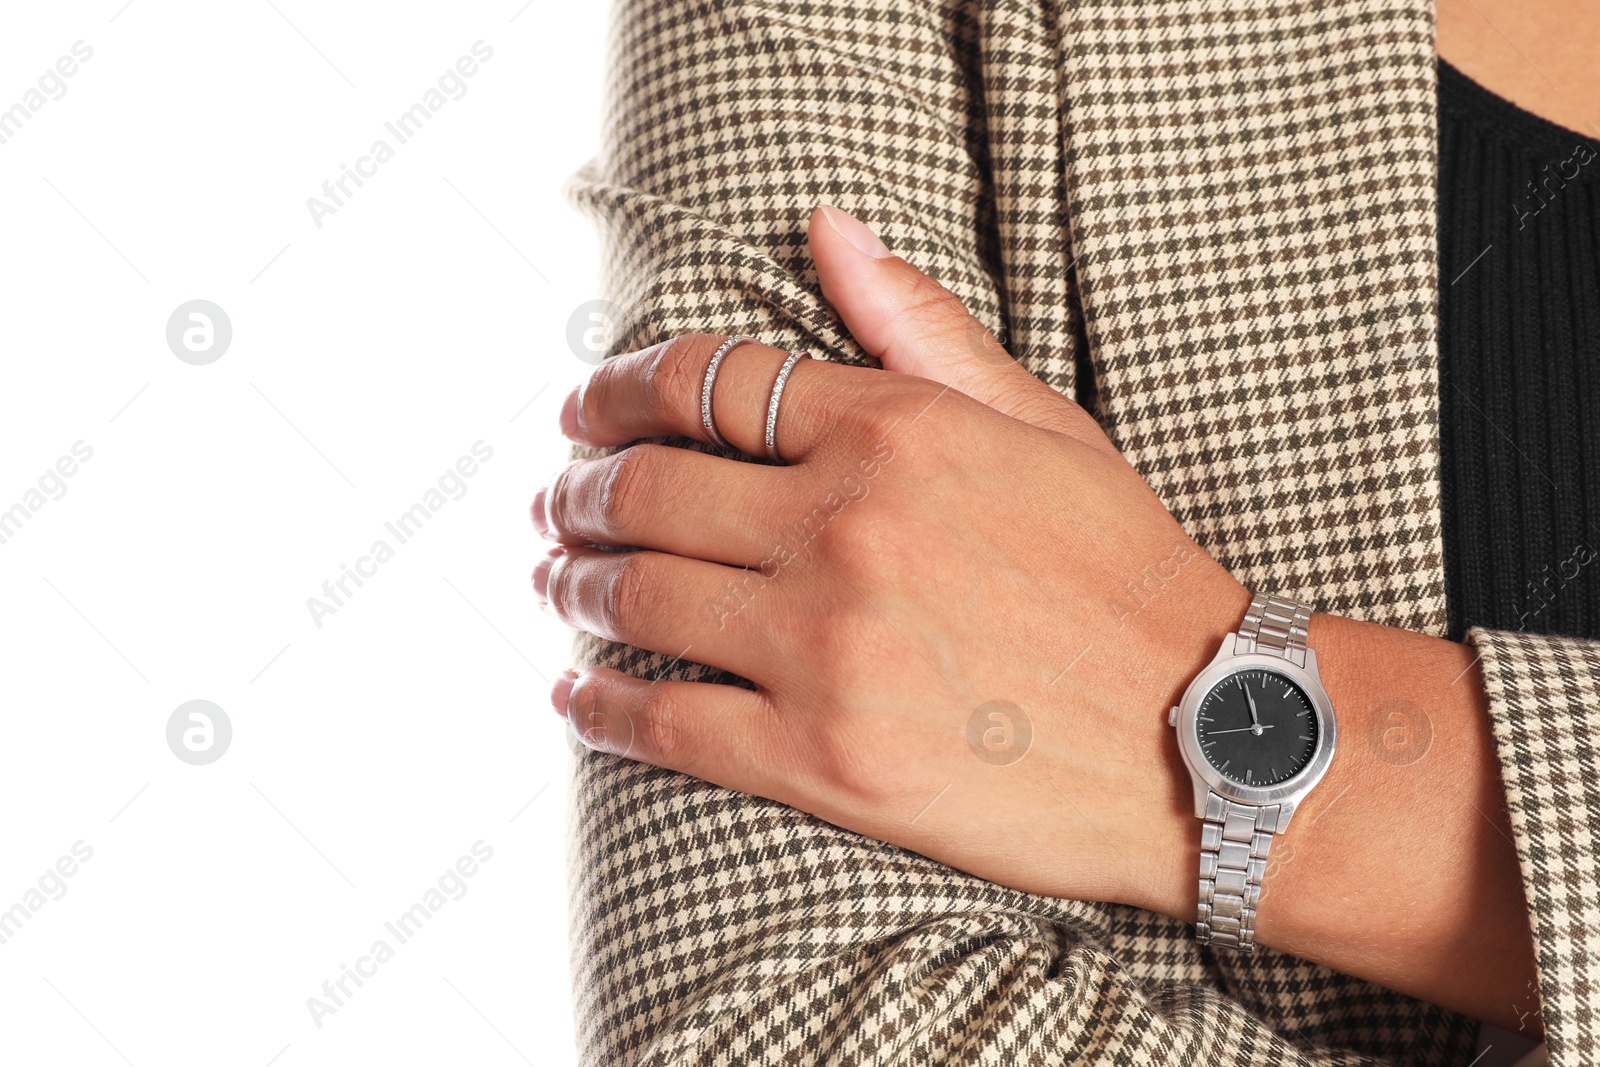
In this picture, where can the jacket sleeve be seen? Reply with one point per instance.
(1544, 703)
(710, 927)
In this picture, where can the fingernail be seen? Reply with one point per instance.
(541, 575)
(856, 232)
(561, 690)
(540, 523)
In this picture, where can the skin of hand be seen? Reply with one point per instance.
(965, 616)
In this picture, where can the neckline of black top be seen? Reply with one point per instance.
(1519, 366)
(1467, 101)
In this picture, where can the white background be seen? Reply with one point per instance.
(369, 753)
(431, 311)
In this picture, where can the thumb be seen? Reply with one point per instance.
(914, 325)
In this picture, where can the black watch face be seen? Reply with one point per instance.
(1257, 728)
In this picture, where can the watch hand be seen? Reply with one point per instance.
(1254, 720)
(1253, 729)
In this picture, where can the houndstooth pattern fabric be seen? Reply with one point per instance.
(1219, 230)
(1545, 696)
(1253, 193)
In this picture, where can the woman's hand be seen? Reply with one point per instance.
(966, 615)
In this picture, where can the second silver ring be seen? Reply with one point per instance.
(777, 396)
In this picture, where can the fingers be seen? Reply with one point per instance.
(720, 733)
(657, 393)
(668, 604)
(668, 499)
(915, 325)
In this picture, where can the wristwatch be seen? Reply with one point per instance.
(1257, 732)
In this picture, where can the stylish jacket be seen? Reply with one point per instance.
(1215, 224)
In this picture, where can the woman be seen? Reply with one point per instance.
(951, 821)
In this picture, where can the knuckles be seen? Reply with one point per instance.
(860, 764)
(558, 501)
(600, 720)
(647, 723)
(558, 587)
(870, 541)
(904, 409)
(674, 373)
(627, 488)
(627, 592)
(608, 593)
(661, 719)
(606, 497)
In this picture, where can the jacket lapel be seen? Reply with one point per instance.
(1252, 195)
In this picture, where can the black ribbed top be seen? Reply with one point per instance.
(1519, 365)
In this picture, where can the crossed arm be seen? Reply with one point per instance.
(948, 530)
(715, 926)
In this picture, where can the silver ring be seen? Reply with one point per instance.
(777, 395)
(711, 380)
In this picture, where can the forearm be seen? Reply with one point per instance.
(1400, 867)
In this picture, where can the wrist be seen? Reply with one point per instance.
(1413, 738)
(1185, 641)
(1400, 867)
